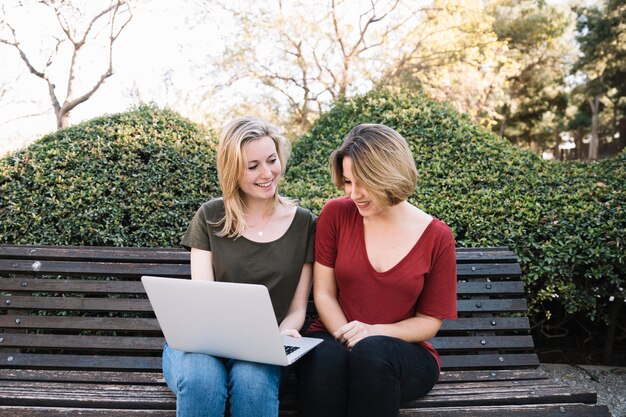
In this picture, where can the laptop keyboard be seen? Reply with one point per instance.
(289, 349)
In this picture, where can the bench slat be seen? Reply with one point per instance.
(506, 395)
(485, 323)
(17, 411)
(490, 361)
(119, 269)
(140, 377)
(94, 343)
(493, 270)
(477, 343)
(95, 253)
(565, 409)
(54, 375)
(451, 376)
(71, 286)
(137, 269)
(78, 303)
(136, 287)
(88, 362)
(143, 305)
(79, 323)
(492, 306)
(106, 253)
(18, 321)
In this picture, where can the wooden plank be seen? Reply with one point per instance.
(492, 306)
(86, 395)
(25, 411)
(77, 303)
(72, 342)
(490, 288)
(489, 361)
(98, 253)
(532, 410)
(477, 343)
(496, 270)
(19, 321)
(484, 324)
(159, 254)
(150, 324)
(119, 269)
(135, 287)
(492, 375)
(54, 375)
(72, 286)
(82, 362)
(507, 396)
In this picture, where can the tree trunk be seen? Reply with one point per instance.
(594, 103)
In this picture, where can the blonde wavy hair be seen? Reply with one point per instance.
(381, 161)
(231, 166)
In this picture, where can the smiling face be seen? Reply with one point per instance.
(365, 204)
(262, 169)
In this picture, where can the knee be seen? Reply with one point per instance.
(254, 377)
(325, 364)
(195, 372)
(371, 356)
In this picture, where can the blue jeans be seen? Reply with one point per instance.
(203, 383)
(371, 380)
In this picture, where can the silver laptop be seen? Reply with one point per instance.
(222, 319)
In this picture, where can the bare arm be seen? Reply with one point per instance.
(201, 265)
(414, 329)
(294, 320)
(325, 294)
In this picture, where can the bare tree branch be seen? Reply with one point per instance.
(78, 39)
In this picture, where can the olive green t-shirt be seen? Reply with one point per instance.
(277, 264)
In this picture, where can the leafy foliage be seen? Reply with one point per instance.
(565, 222)
(130, 179)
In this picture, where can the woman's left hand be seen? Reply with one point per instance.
(351, 333)
(291, 332)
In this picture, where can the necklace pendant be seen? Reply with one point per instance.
(260, 233)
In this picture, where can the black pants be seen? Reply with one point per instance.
(372, 379)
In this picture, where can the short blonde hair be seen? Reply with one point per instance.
(231, 166)
(381, 161)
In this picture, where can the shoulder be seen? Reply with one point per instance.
(305, 214)
(213, 209)
(441, 232)
(213, 205)
(339, 205)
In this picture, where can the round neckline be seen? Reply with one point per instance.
(291, 226)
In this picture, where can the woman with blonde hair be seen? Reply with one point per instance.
(253, 235)
(384, 279)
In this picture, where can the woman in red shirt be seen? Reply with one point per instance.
(384, 279)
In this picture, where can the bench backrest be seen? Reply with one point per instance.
(73, 308)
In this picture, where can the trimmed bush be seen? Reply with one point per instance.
(129, 179)
(564, 221)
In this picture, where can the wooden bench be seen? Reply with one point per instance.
(79, 338)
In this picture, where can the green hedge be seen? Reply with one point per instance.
(130, 179)
(136, 178)
(564, 221)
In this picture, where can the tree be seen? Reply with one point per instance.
(307, 55)
(64, 48)
(602, 66)
(540, 39)
(454, 55)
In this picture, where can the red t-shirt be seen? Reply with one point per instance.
(424, 281)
